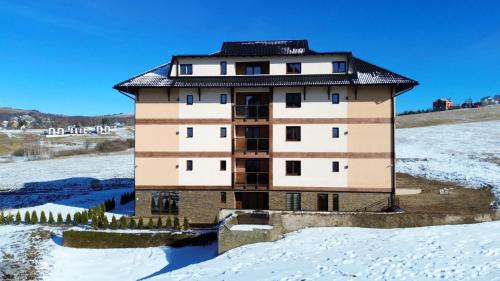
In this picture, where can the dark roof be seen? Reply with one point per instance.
(364, 74)
(265, 48)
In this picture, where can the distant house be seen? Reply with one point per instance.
(442, 104)
(490, 100)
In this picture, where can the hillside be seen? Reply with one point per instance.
(487, 113)
(35, 119)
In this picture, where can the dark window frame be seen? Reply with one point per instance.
(189, 99)
(186, 68)
(165, 202)
(334, 63)
(223, 165)
(253, 67)
(223, 98)
(293, 168)
(335, 98)
(189, 132)
(189, 165)
(335, 166)
(335, 202)
(223, 197)
(291, 68)
(335, 132)
(223, 132)
(223, 68)
(293, 133)
(291, 102)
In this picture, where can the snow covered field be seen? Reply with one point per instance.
(459, 252)
(465, 153)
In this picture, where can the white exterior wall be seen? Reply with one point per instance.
(277, 65)
(205, 138)
(206, 172)
(315, 172)
(314, 138)
(208, 107)
(316, 104)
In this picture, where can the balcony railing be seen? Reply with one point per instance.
(251, 144)
(251, 178)
(251, 111)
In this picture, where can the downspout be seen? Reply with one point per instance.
(393, 155)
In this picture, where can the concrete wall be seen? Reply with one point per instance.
(314, 138)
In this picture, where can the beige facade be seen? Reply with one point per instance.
(261, 136)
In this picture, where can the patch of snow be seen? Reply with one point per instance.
(464, 153)
(458, 252)
(249, 227)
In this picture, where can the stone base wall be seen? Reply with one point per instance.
(202, 207)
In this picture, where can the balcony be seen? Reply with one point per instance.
(242, 144)
(260, 111)
(251, 178)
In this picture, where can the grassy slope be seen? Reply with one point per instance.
(488, 113)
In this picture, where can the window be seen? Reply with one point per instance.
(189, 132)
(165, 202)
(335, 98)
(335, 132)
(223, 68)
(253, 69)
(335, 205)
(223, 197)
(293, 168)
(189, 100)
(223, 132)
(293, 201)
(292, 133)
(189, 165)
(322, 201)
(293, 68)
(335, 166)
(223, 98)
(339, 67)
(293, 100)
(186, 69)
(222, 165)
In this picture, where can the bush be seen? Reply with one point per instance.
(51, 218)
(2, 217)
(159, 223)
(112, 146)
(114, 223)
(141, 223)
(168, 224)
(77, 218)
(216, 219)
(132, 223)
(18, 152)
(177, 224)
(84, 218)
(43, 218)
(18, 217)
(95, 222)
(68, 219)
(185, 224)
(10, 218)
(59, 219)
(34, 217)
(150, 223)
(105, 222)
(123, 222)
(27, 218)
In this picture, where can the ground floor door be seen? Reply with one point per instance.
(252, 200)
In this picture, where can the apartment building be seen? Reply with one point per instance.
(266, 125)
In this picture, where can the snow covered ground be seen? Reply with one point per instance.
(459, 252)
(465, 153)
(19, 174)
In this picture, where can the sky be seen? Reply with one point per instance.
(64, 56)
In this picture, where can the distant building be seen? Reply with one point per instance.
(442, 104)
(490, 100)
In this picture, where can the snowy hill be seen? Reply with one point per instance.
(465, 153)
